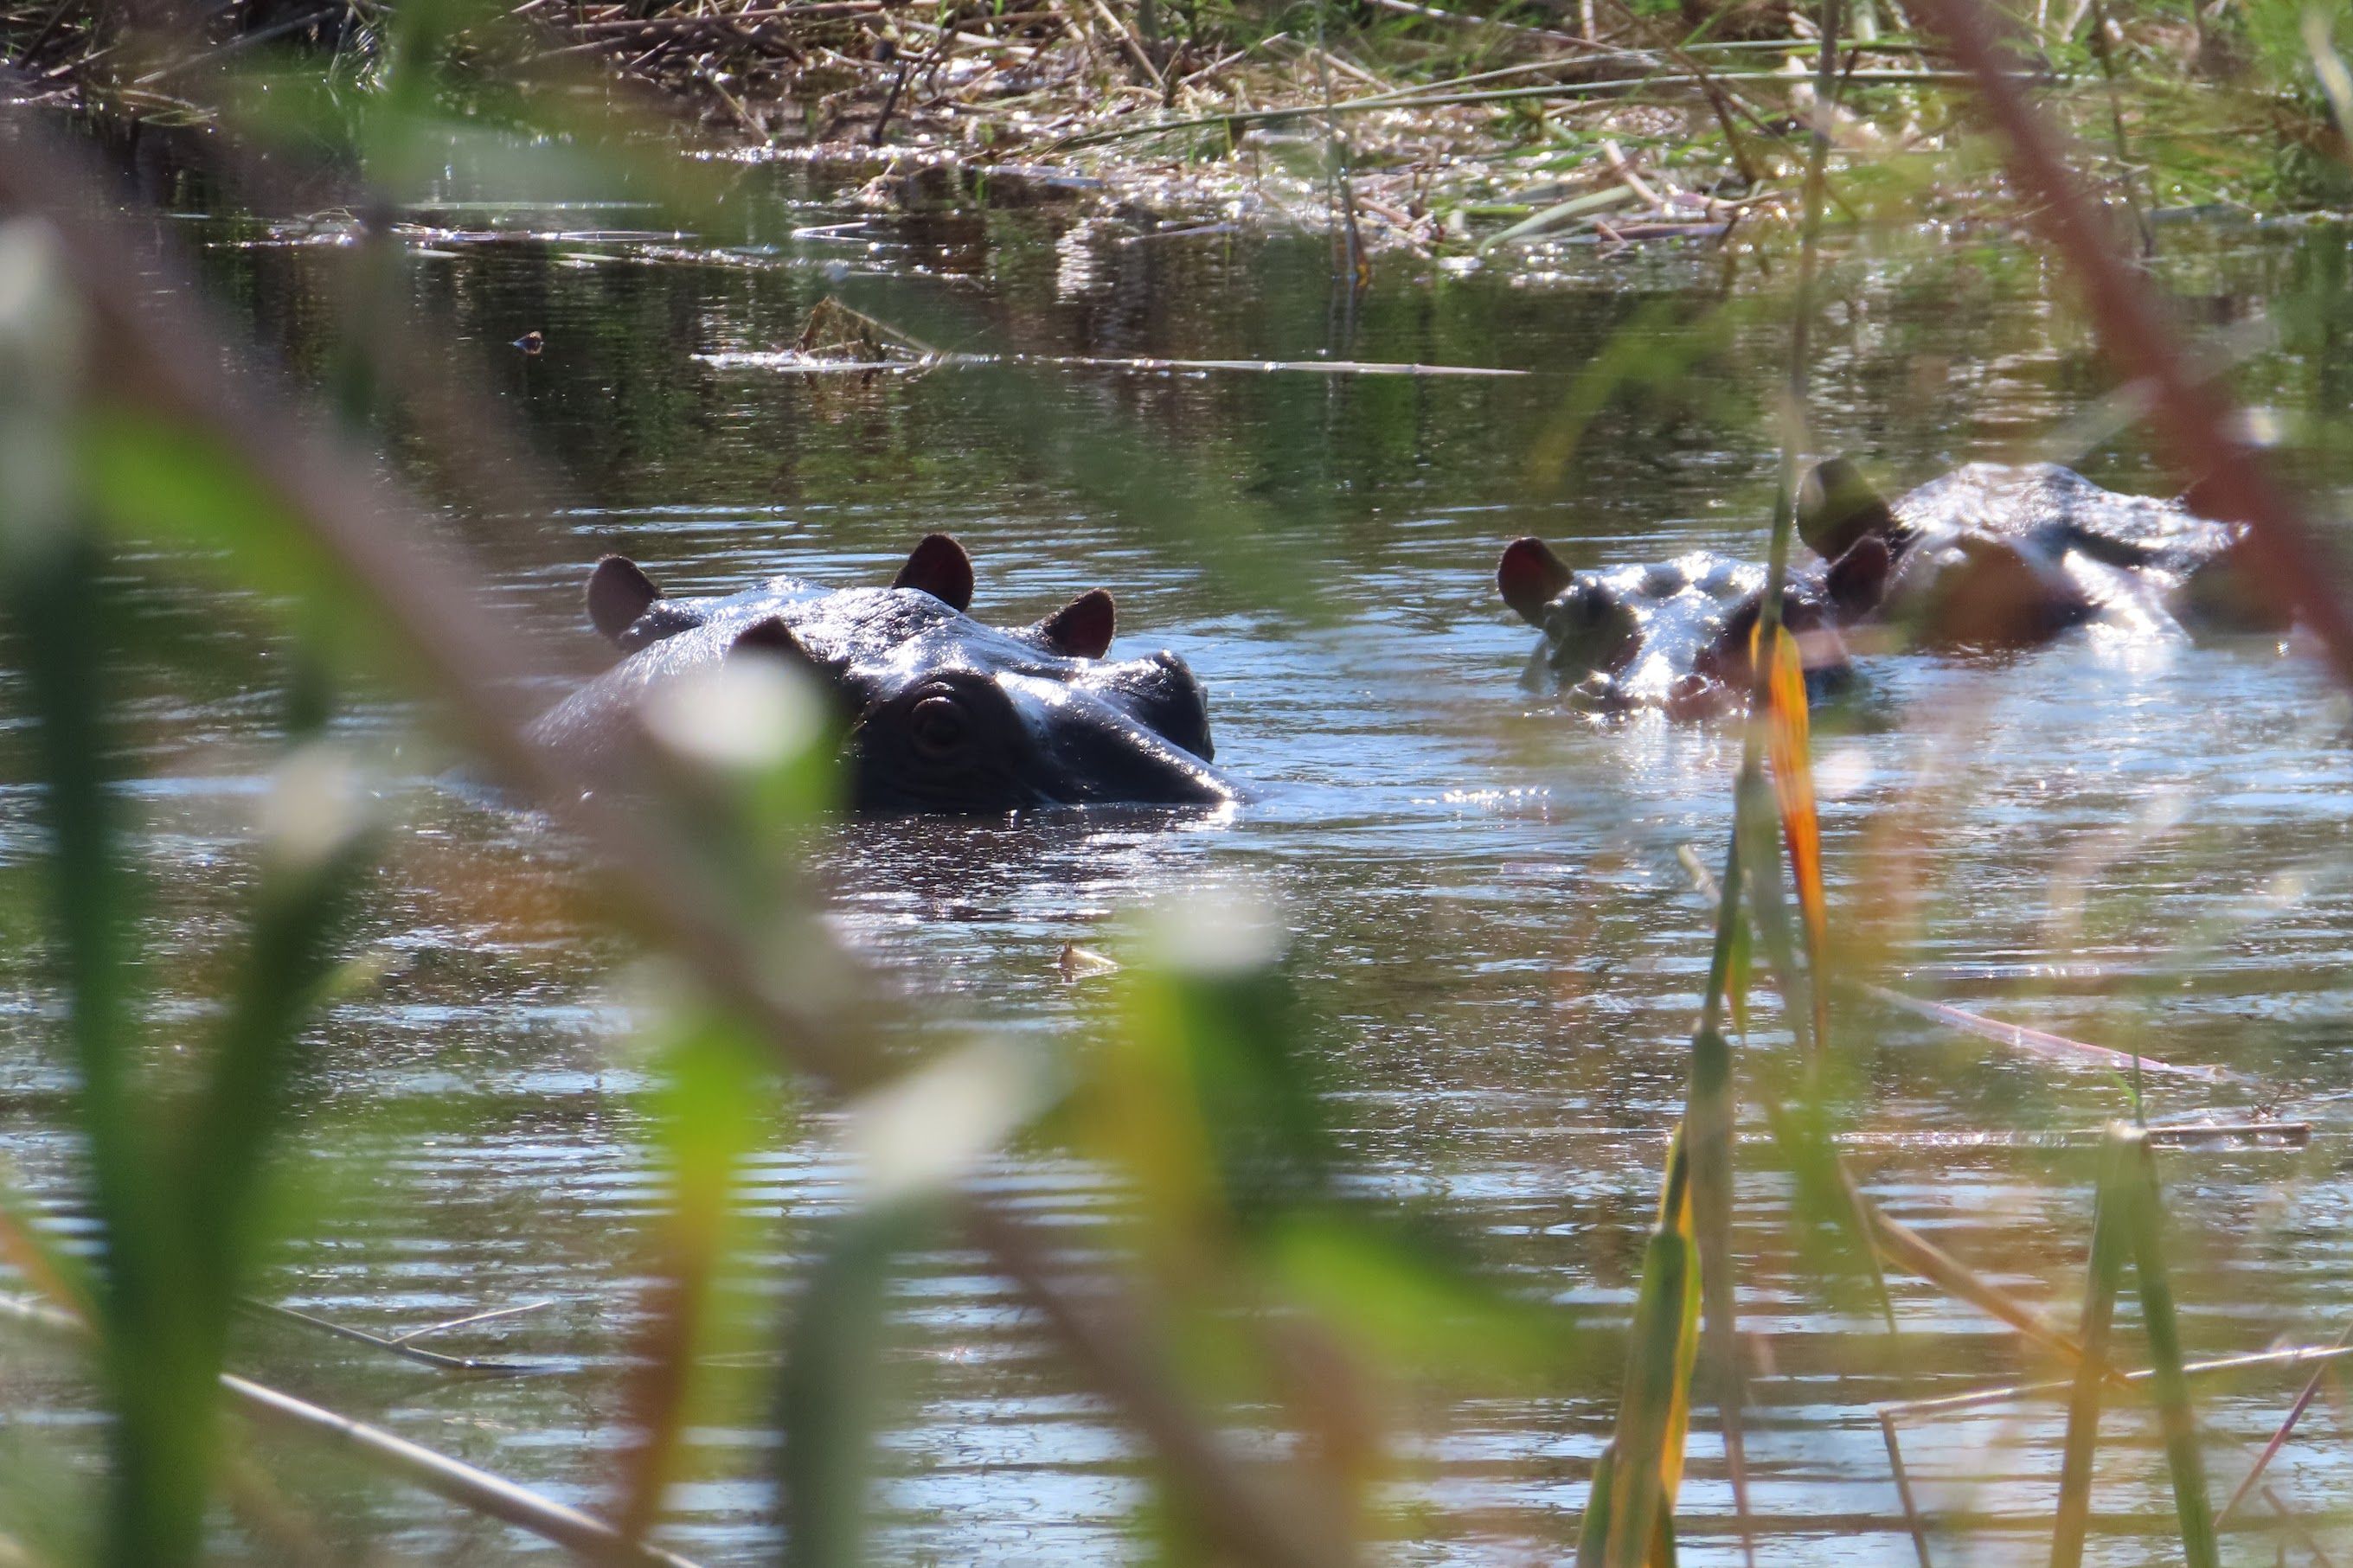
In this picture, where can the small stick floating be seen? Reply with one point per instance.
(2041, 1043)
(479, 1366)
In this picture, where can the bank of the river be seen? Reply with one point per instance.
(1400, 128)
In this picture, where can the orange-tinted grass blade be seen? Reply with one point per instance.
(1787, 740)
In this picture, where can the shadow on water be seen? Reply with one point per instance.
(1484, 899)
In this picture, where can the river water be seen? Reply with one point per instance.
(2142, 843)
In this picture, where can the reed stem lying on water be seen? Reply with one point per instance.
(481, 1366)
(584, 1535)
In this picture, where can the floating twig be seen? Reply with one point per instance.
(581, 1534)
(798, 360)
(471, 1318)
(478, 1367)
(2041, 1042)
(2303, 1355)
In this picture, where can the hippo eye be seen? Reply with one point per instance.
(937, 726)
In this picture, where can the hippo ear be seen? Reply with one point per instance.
(775, 639)
(1858, 579)
(939, 567)
(1081, 629)
(1837, 506)
(618, 592)
(1530, 577)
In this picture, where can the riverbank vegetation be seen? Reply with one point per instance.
(1260, 1329)
(1430, 131)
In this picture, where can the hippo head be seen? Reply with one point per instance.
(1676, 636)
(630, 611)
(1838, 509)
(942, 713)
(1587, 626)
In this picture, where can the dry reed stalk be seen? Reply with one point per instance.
(2320, 1356)
(1130, 45)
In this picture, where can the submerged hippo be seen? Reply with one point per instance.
(1673, 635)
(1992, 556)
(945, 714)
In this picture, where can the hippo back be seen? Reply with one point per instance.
(2060, 509)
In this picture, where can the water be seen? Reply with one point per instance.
(2139, 843)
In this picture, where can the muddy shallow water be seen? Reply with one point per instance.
(2139, 842)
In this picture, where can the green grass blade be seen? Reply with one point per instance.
(1593, 1532)
(1764, 881)
(154, 1376)
(2169, 1387)
(831, 1394)
(1654, 1414)
(300, 902)
(50, 580)
(715, 1106)
(1708, 1118)
(2111, 1234)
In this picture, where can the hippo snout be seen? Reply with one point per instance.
(1172, 702)
(1589, 628)
(1096, 751)
(966, 740)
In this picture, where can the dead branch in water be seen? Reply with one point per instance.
(582, 1535)
(479, 1366)
(2304, 1355)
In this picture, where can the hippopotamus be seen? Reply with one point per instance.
(1992, 557)
(1989, 557)
(942, 714)
(1673, 635)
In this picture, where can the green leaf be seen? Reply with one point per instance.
(2111, 1236)
(831, 1389)
(2169, 1387)
(716, 1103)
(157, 482)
